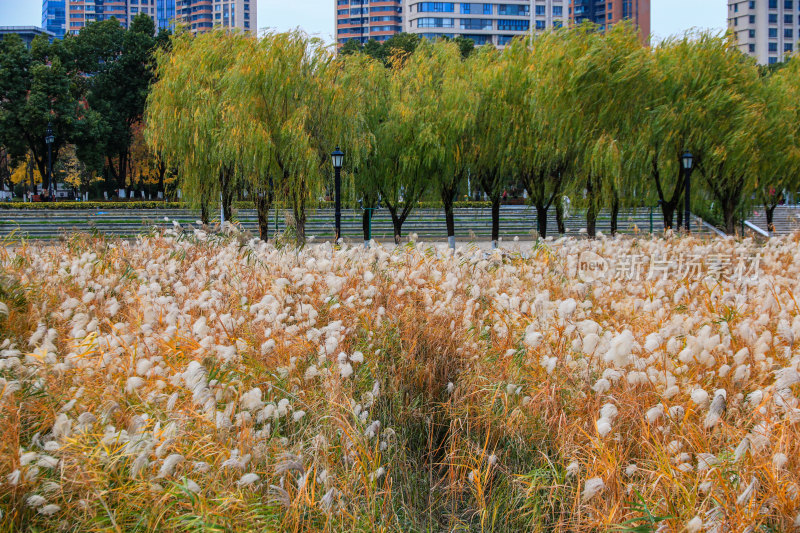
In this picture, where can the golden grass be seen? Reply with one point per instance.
(123, 410)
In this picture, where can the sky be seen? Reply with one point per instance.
(669, 17)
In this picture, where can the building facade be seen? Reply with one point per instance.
(54, 17)
(199, 15)
(494, 23)
(362, 20)
(484, 23)
(607, 13)
(26, 33)
(767, 30)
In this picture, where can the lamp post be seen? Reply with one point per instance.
(49, 139)
(337, 157)
(687, 161)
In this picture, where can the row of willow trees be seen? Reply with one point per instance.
(569, 112)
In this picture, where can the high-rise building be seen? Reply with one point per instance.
(767, 30)
(362, 20)
(606, 13)
(484, 23)
(199, 15)
(54, 17)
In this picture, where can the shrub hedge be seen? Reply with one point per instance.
(183, 205)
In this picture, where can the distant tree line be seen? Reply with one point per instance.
(595, 116)
(91, 88)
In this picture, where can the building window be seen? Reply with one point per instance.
(787, 47)
(540, 25)
(513, 25)
(788, 33)
(752, 34)
(434, 22)
(773, 60)
(773, 47)
(513, 10)
(787, 4)
(773, 33)
(773, 18)
(479, 39)
(476, 24)
(773, 4)
(752, 19)
(435, 7)
(558, 11)
(752, 48)
(541, 11)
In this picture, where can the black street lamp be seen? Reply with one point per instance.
(49, 139)
(687, 160)
(337, 157)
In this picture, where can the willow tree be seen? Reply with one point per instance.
(733, 126)
(190, 116)
(537, 115)
(438, 96)
(778, 153)
(401, 169)
(487, 158)
(681, 93)
(295, 114)
(366, 81)
(599, 85)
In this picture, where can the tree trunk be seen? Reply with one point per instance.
(560, 216)
(397, 224)
(541, 220)
(447, 201)
(729, 215)
(495, 219)
(668, 213)
(614, 212)
(204, 212)
(770, 212)
(299, 211)
(122, 175)
(30, 173)
(365, 223)
(227, 193)
(263, 202)
(162, 170)
(591, 212)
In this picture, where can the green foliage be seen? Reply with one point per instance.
(41, 206)
(116, 70)
(577, 112)
(38, 206)
(37, 88)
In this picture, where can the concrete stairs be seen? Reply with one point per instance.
(429, 224)
(786, 219)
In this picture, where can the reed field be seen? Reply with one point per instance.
(193, 381)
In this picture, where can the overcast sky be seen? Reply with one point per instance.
(669, 17)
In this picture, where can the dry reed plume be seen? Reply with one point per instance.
(188, 381)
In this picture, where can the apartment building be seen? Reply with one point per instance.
(493, 23)
(362, 20)
(607, 13)
(199, 15)
(767, 30)
(484, 23)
